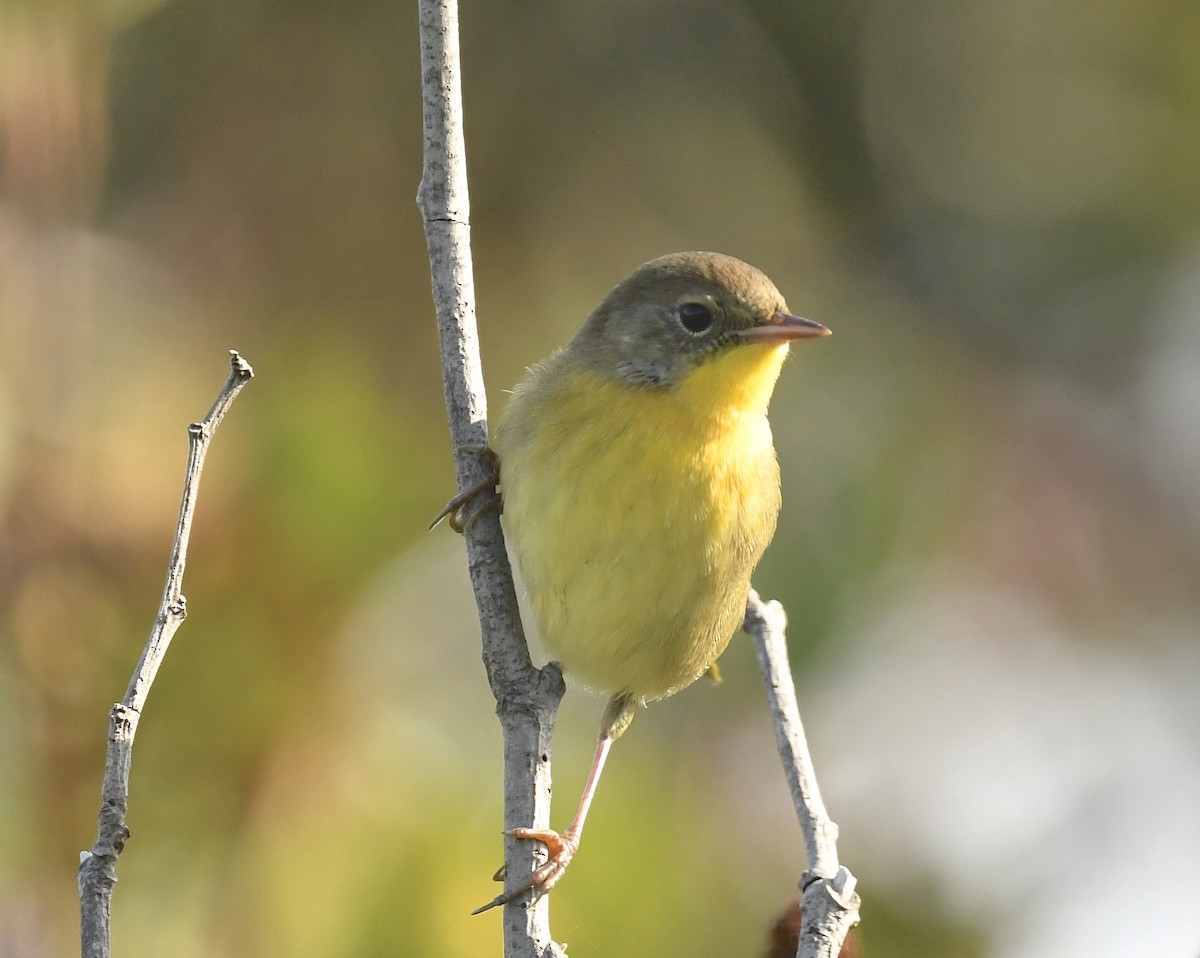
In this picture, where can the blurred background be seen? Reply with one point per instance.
(990, 544)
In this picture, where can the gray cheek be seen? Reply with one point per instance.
(655, 374)
(627, 340)
(646, 358)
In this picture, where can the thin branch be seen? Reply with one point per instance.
(98, 868)
(526, 698)
(830, 906)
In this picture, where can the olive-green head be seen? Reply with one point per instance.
(677, 311)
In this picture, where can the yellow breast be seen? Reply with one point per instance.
(637, 515)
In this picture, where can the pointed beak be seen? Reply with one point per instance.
(783, 328)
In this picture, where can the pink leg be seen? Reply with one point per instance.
(562, 848)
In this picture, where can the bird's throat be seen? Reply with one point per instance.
(736, 383)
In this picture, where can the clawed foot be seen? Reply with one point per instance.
(561, 848)
(456, 512)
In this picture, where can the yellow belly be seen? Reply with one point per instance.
(637, 516)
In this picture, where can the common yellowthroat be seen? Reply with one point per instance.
(640, 488)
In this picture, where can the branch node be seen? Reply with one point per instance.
(241, 368)
(843, 885)
(124, 716)
(551, 681)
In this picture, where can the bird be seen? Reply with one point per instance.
(640, 488)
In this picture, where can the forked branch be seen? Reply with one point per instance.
(829, 907)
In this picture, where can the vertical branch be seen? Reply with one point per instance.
(830, 906)
(526, 698)
(98, 868)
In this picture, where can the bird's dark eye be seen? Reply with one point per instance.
(696, 317)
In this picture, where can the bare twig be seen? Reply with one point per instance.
(830, 906)
(526, 698)
(98, 868)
